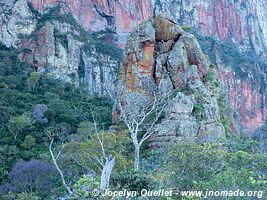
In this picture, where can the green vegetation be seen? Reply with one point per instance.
(55, 13)
(224, 111)
(211, 167)
(33, 104)
(186, 28)
(198, 108)
(211, 76)
(81, 67)
(20, 196)
(106, 48)
(116, 145)
(212, 66)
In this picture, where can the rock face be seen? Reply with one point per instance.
(99, 15)
(247, 95)
(243, 25)
(16, 19)
(160, 56)
(56, 44)
(241, 21)
(56, 36)
(244, 76)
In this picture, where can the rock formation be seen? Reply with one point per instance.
(160, 56)
(55, 43)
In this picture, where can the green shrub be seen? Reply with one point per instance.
(84, 187)
(198, 108)
(131, 181)
(190, 163)
(212, 66)
(210, 76)
(20, 196)
(186, 28)
(20, 135)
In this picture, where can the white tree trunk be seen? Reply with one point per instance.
(136, 157)
(106, 172)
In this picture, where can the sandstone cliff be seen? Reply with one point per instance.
(119, 17)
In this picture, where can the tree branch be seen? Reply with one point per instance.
(57, 167)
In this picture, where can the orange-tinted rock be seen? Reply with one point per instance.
(162, 62)
(167, 29)
(148, 56)
(147, 63)
(133, 69)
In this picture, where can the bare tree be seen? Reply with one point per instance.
(140, 113)
(109, 161)
(54, 159)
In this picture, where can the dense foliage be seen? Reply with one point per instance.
(232, 164)
(32, 103)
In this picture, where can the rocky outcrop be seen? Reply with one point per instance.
(244, 78)
(160, 56)
(247, 95)
(53, 36)
(55, 49)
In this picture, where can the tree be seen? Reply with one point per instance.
(109, 161)
(140, 113)
(31, 177)
(20, 123)
(54, 160)
(38, 113)
(213, 167)
(34, 79)
(189, 163)
(29, 142)
(85, 130)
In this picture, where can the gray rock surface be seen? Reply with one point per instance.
(58, 46)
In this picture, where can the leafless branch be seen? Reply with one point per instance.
(57, 167)
(97, 135)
